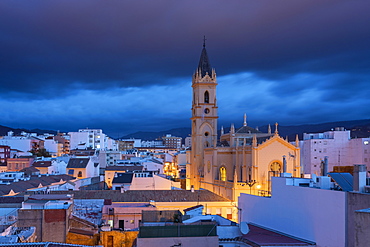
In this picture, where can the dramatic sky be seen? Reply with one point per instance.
(126, 66)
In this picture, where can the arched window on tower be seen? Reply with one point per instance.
(206, 97)
(79, 174)
(223, 173)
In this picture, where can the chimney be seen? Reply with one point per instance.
(359, 178)
(324, 166)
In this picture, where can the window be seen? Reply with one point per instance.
(275, 166)
(218, 211)
(206, 97)
(223, 173)
(79, 174)
(229, 214)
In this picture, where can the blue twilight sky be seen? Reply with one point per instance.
(126, 66)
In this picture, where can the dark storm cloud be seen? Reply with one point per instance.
(137, 43)
(119, 63)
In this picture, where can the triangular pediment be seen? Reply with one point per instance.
(276, 138)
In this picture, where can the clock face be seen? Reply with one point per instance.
(275, 167)
(206, 111)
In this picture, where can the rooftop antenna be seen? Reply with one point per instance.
(204, 41)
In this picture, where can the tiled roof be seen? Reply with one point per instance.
(260, 236)
(11, 199)
(35, 181)
(147, 195)
(41, 164)
(247, 129)
(30, 169)
(78, 162)
(125, 168)
(123, 178)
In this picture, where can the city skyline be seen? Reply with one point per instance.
(127, 66)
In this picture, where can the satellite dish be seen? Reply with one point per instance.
(244, 228)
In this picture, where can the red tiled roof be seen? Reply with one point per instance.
(260, 236)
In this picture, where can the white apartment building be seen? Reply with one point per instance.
(188, 141)
(149, 144)
(137, 142)
(22, 143)
(108, 157)
(170, 141)
(91, 138)
(53, 147)
(337, 146)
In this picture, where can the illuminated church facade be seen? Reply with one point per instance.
(241, 161)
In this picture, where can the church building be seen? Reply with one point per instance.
(241, 161)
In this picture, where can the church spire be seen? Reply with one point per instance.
(296, 141)
(276, 129)
(204, 65)
(232, 129)
(254, 141)
(245, 120)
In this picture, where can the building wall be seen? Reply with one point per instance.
(185, 241)
(313, 214)
(77, 138)
(21, 143)
(4, 153)
(73, 238)
(51, 224)
(17, 164)
(337, 145)
(362, 226)
(219, 208)
(153, 183)
(130, 215)
(356, 201)
(274, 152)
(118, 238)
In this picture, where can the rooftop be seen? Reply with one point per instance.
(147, 195)
(260, 236)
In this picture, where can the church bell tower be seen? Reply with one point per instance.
(204, 116)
